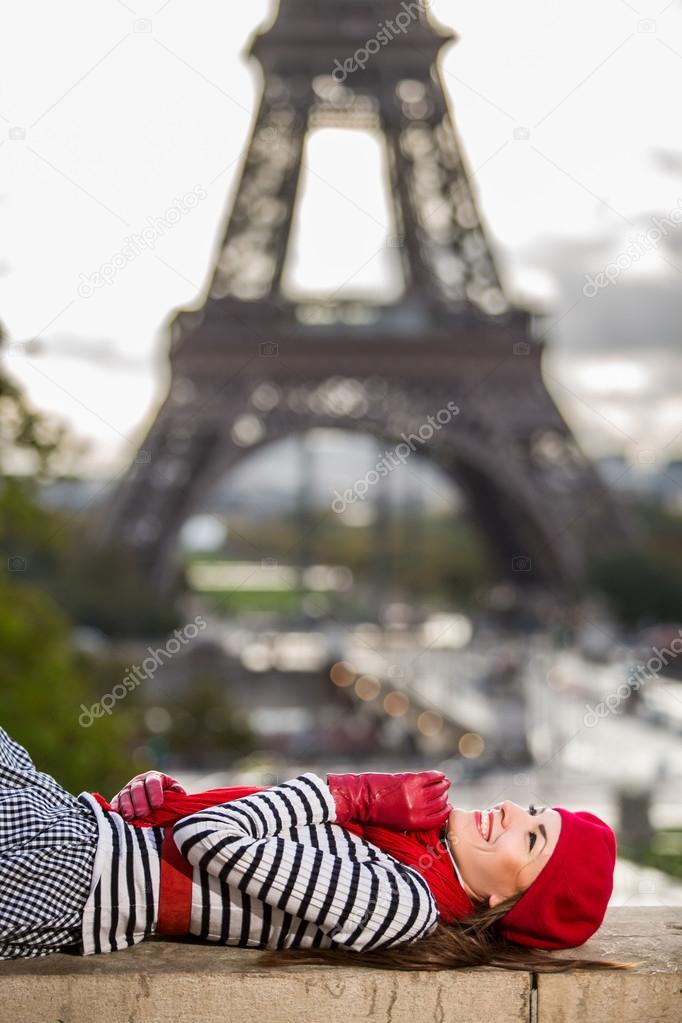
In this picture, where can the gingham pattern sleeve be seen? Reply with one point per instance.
(48, 842)
(359, 905)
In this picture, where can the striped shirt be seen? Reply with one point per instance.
(270, 870)
(48, 843)
(123, 901)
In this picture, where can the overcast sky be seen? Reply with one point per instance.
(112, 113)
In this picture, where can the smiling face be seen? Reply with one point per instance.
(502, 850)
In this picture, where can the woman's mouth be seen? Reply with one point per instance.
(483, 820)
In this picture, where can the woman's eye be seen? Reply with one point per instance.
(534, 837)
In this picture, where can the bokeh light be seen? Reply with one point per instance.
(396, 704)
(430, 722)
(368, 687)
(342, 674)
(471, 745)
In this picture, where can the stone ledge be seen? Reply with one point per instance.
(161, 981)
(652, 937)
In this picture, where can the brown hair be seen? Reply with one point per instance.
(473, 941)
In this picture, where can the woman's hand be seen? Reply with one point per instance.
(410, 802)
(144, 793)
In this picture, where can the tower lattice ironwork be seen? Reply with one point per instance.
(252, 365)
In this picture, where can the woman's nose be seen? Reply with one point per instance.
(499, 816)
(510, 812)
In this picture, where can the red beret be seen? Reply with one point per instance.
(566, 902)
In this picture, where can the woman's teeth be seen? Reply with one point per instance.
(485, 824)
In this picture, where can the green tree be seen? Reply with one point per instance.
(45, 682)
(643, 582)
(44, 679)
(640, 584)
(205, 727)
(100, 587)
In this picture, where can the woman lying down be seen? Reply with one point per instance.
(365, 869)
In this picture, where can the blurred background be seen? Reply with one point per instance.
(407, 492)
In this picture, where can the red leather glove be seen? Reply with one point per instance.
(404, 802)
(143, 793)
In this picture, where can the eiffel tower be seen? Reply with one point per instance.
(251, 365)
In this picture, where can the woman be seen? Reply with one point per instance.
(292, 869)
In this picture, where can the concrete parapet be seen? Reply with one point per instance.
(161, 981)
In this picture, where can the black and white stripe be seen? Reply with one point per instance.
(274, 870)
(123, 904)
(271, 870)
(48, 843)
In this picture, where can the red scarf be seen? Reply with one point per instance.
(422, 850)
